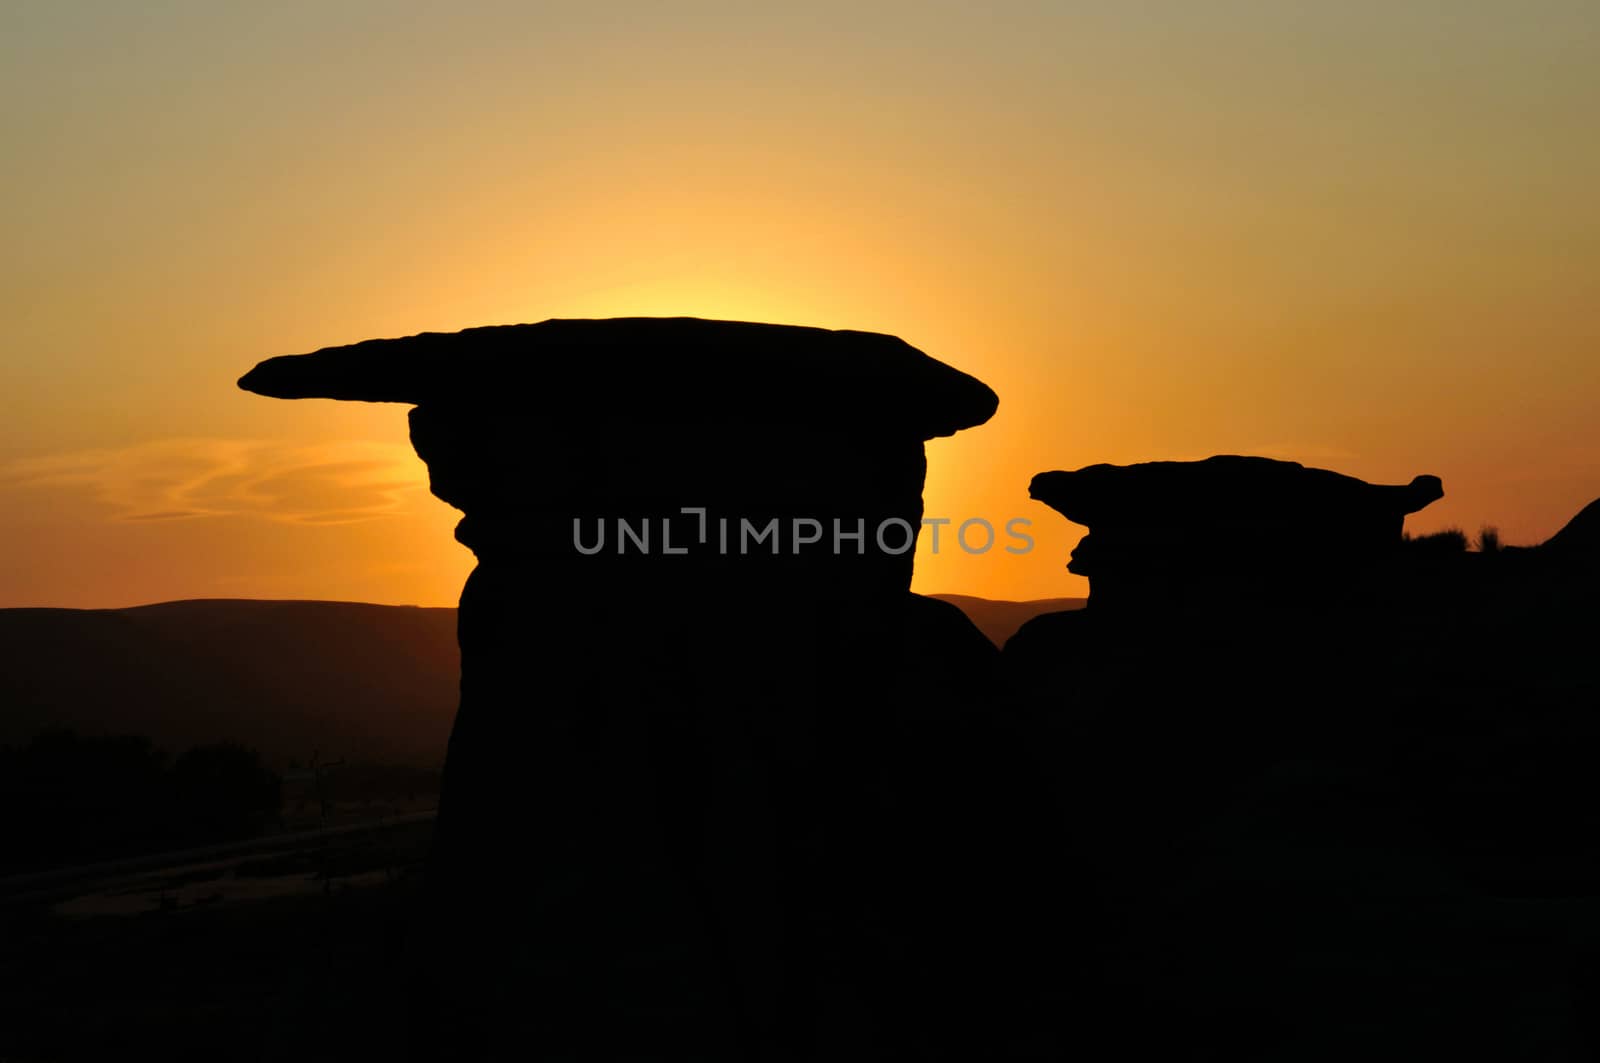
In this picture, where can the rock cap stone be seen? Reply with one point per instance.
(1230, 488)
(651, 369)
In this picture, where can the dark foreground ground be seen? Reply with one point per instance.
(294, 954)
(301, 953)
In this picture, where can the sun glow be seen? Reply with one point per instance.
(1152, 240)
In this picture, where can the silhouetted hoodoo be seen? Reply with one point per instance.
(1324, 780)
(729, 821)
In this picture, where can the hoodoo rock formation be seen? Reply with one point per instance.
(1247, 582)
(730, 819)
(1324, 778)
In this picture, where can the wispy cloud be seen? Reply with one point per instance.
(188, 479)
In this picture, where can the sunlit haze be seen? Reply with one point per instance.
(1361, 235)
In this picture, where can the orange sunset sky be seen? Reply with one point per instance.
(1359, 235)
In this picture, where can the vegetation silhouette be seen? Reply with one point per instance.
(70, 799)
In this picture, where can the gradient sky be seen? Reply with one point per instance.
(1359, 235)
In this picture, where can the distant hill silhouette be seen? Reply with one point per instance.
(369, 682)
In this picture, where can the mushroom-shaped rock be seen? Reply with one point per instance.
(1227, 529)
(1230, 489)
(711, 755)
(598, 441)
(662, 370)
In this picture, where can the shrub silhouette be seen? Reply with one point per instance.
(1448, 541)
(67, 798)
(224, 791)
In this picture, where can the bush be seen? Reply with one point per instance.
(67, 798)
(1449, 541)
(224, 791)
